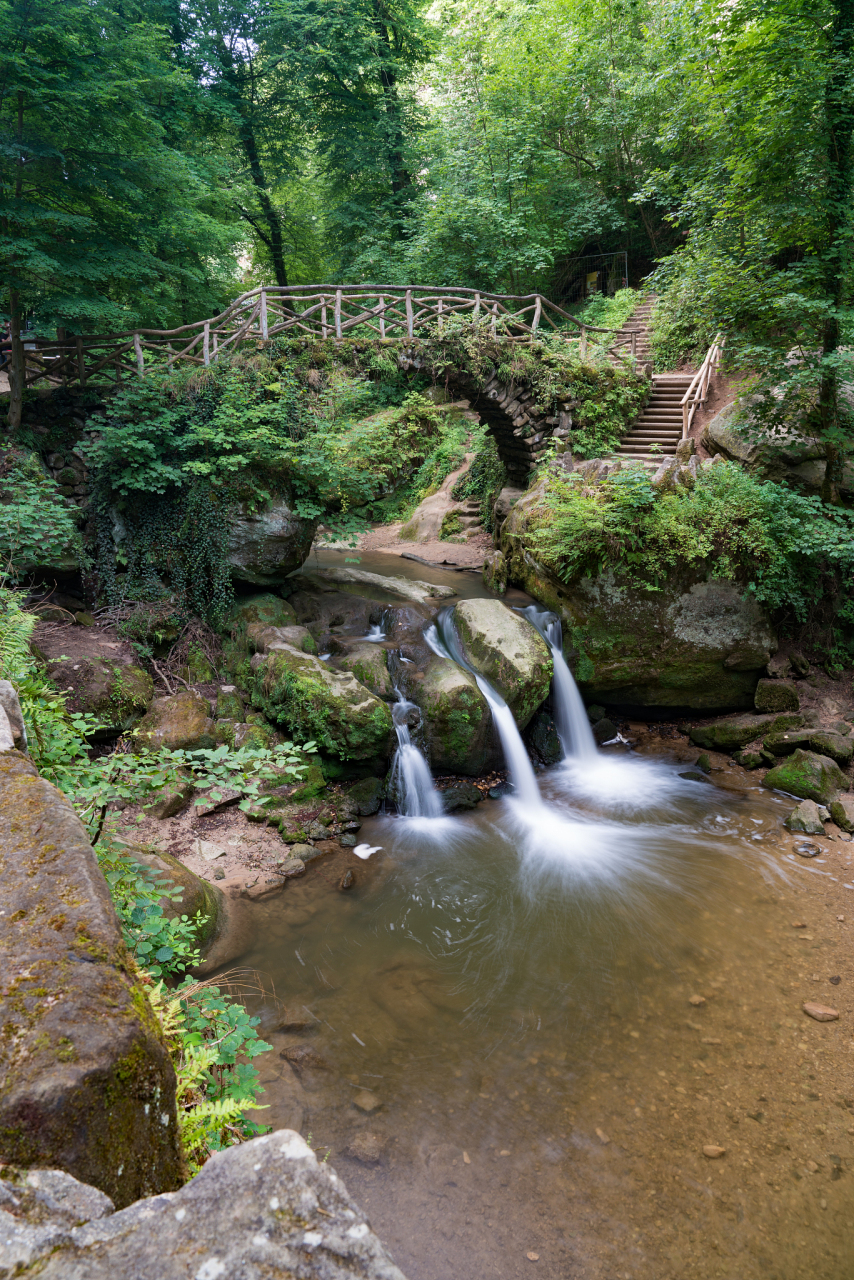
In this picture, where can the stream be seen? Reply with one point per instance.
(519, 1031)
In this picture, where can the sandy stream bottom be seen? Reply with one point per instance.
(517, 997)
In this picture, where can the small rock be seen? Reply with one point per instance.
(842, 812)
(779, 667)
(347, 880)
(776, 695)
(835, 980)
(820, 1012)
(304, 852)
(348, 840)
(464, 795)
(749, 759)
(800, 666)
(532, 1257)
(693, 775)
(807, 850)
(500, 791)
(84, 619)
(219, 875)
(317, 831)
(264, 887)
(712, 1152)
(697, 1001)
(208, 850)
(603, 1137)
(704, 762)
(367, 1102)
(226, 796)
(367, 1148)
(806, 817)
(604, 731)
(595, 712)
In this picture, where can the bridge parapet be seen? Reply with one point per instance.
(384, 313)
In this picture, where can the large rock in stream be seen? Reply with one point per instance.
(264, 1210)
(265, 546)
(808, 776)
(86, 1082)
(698, 643)
(508, 651)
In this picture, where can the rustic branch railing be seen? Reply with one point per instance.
(699, 387)
(392, 313)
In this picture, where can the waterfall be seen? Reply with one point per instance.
(570, 715)
(411, 777)
(442, 640)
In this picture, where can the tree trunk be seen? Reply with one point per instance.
(274, 238)
(839, 124)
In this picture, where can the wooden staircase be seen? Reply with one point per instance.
(658, 430)
(639, 321)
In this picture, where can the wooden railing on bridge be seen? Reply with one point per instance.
(390, 312)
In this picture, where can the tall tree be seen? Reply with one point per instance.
(104, 221)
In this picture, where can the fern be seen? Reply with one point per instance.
(16, 629)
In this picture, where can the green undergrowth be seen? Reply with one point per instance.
(609, 313)
(37, 525)
(484, 479)
(794, 554)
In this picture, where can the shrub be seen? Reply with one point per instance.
(37, 525)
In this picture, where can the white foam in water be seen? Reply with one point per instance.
(623, 784)
(365, 850)
(375, 635)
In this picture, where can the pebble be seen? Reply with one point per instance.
(697, 1001)
(466, 1158)
(291, 867)
(821, 1012)
(807, 850)
(347, 881)
(603, 1137)
(532, 1257)
(367, 1148)
(714, 1153)
(208, 850)
(367, 1101)
(841, 918)
(835, 980)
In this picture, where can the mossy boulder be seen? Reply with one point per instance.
(365, 796)
(263, 638)
(729, 735)
(508, 651)
(696, 642)
(229, 704)
(86, 1081)
(749, 759)
(311, 784)
(181, 722)
(494, 572)
(835, 745)
(842, 812)
(785, 741)
(268, 609)
(116, 694)
(776, 695)
(810, 776)
(198, 896)
(369, 664)
(173, 798)
(311, 701)
(456, 717)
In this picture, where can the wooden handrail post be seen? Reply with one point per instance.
(493, 324)
(634, 343)
(684, 420)
(264, 330)
(382, 317)
(140, 362)
(476, 311)
(538, 311)
(324, 330)
(338, 313)
(81, 361)
(439, 316)
(410, 318)
(206, 343)
(583, 343)
(215, 345)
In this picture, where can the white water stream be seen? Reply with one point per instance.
(411, 777)
(570, 714)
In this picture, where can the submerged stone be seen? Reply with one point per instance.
(465, 795)
(810, 776)
(728, 735)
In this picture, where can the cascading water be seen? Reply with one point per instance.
(570, 715)
(442, 640)
(376, 635)
(412, 781)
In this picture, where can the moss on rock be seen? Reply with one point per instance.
(116, 694)
(509, 651)
(809, 776)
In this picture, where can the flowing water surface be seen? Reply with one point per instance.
(554, 1008)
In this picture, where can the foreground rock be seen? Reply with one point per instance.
(457, 721)
(300, 692)
(265, 546)
(805, 818)
(729, 735)
(265, 1210)
(809, 776)
(694, 644)
(199, 898)
(87, 1083)
(509, 651)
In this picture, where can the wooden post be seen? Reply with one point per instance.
(140, 363)
(410, 318)
(324, 331)
(583, 343)
(439, 316)
(338, 313)
(494, 321)
(215, 344)
(264, 330)
(684, 420)
(538, 311)
(382, 318)
(81, 361)
(206, 342)
(476, 311)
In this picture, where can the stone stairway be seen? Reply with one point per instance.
(658, 429)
